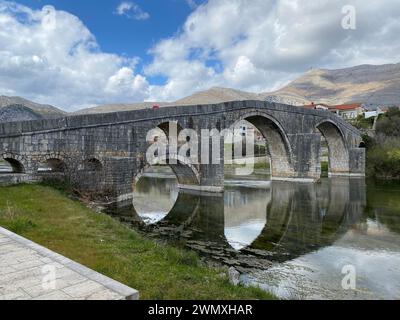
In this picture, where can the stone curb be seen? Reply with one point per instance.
(121, 289)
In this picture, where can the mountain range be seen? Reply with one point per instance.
(369, 84)
(372, 85)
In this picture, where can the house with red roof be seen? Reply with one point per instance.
(346, 111)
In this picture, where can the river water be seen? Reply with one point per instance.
(339, 239)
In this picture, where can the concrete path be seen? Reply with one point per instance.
(31, 272)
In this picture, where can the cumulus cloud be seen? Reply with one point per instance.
(258, 45)
(131, 10)
(50, 56)
(255, 45)
(191, 3)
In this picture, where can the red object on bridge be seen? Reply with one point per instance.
(155, 107)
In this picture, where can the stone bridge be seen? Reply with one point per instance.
(106, 153)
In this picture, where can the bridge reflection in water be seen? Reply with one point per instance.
(250, 226)
(290, 238)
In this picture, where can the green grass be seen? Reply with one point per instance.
(262, 165)
(324, 169)
(47, 216)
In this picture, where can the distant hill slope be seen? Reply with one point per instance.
(45, 111)
(217, 95)
(213, 95)
(372, 85)
(106, 108)
(369, 84)
(18, 113)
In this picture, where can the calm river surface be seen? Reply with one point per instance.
(290, 239)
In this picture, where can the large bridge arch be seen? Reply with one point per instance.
(278, 144)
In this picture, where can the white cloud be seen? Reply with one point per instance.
(124, 81)
(49, 56)
(131, 10)
(192, 4)
(257, 45)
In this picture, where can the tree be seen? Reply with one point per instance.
(389, 124)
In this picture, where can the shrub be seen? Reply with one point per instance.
(362, 123)
(368, 141)
(383, 151)
(389, 123)
(383, 158)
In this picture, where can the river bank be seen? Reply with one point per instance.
(159, 271)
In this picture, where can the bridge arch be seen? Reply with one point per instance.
(278, 145)
(339, 162)
(53, 163)
(16, 164)
(186, 173)
(184, 169)
(165, 126)
(92, 165)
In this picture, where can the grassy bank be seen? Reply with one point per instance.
(48, 217)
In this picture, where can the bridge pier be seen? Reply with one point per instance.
(357, 162)
(304, 160)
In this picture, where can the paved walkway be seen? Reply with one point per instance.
(31, 272)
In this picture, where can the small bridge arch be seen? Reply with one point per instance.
(186, 173)
(92, 164)
(15, 163)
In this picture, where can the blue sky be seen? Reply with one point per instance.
(76, 54)
(122, 35)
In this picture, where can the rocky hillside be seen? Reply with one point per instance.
(106, 108)
(18, 113)
(369, 84)
(213, 95)
(19, 109)
(216, 95)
